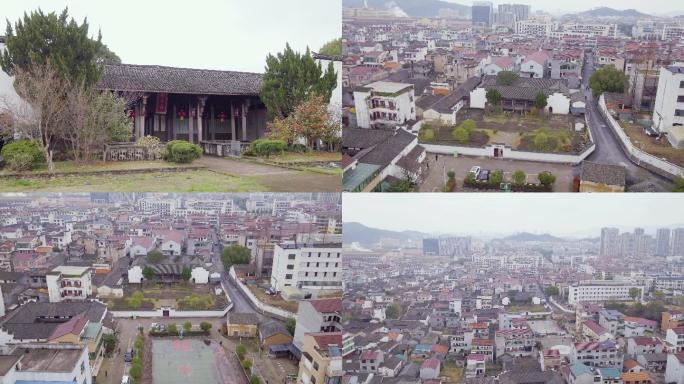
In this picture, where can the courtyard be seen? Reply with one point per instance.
(208, 174)
(191, 360)
(178, 296)
(461, 166)
(524, 132)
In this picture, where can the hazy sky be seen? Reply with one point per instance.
(649, 7)
(213, 34)
(504, 213)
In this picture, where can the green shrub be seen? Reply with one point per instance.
(240, 350)
(205, 326)
(546, 178)
(135, 371)
(173, 328)
(426, 134)
(519, 177)
(496, 177)
(267, 147)
(180, 151)
(247, 365)
(461, 135)
(254, 380)
(22, 155)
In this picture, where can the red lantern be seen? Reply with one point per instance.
(182, 114)
(222, 116)
(131, 114)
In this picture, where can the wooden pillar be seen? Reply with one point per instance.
(245, 107)
(200, 110)
(191, 133)
(143, 113)
(232, 121)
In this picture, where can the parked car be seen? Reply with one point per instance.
(128, 356)
(153, 326)
(484, 175)
(475, 170)
(125, 380)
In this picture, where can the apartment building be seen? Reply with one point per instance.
(321, 361)
(671, 319)
(668, 113)
(318, 315)
(313, 266)
(675, 338)
(605, 354)
(534, 27)
(610, 242)
(384, 105)
(69, 283)
(517, 342)
(613, 321)
(603, 290)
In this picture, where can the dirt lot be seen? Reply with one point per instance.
(275, 301)
(657, 147)
(461, 165)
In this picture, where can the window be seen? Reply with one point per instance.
(291, 256)
(679, 112)
(288, 276)
(680, 99)
(681, 84)
(290, 266)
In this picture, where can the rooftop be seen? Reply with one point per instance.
(154, 78)
(49, 360)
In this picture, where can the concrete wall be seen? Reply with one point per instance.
(263, 308)
(509, 153)
(636, 155)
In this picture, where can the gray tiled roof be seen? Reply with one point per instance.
(363, 137)
(32, 320)
(387, 150)
(154, 78)
(526, 88)
(603, 173)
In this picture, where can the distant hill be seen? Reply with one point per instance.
(357, 232)
(412, 8)
(611, 12)
(526, 236)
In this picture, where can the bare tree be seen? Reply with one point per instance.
(42, 115)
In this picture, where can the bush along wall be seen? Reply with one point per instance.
(181, 151)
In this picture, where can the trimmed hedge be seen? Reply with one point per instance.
(489, 185)
(22, 155)
(168, 333)
(180, 151)
(267, 147)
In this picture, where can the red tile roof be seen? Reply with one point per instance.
(327, 305)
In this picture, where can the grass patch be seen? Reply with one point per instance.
(452, 373)
(184, 181)
(547, 140)
(306, 157)
(526, 308)
(99, 166)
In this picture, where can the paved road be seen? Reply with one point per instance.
(608, 149)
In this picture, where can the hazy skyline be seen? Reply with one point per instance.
(505, 213)
(655, 7)
(218, 34)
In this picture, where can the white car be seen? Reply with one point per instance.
(125, 380)
(475, 170)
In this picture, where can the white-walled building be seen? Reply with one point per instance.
(674, 373)
(67, 283)
(384, 104)
(307, 266)
(603, 290)
(668, 113)
(675, 338)
(318, 315)
(60, 363)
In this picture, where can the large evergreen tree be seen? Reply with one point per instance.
(48, 38)
(291, 78)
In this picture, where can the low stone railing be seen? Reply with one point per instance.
(132, 152)
(223, 148)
